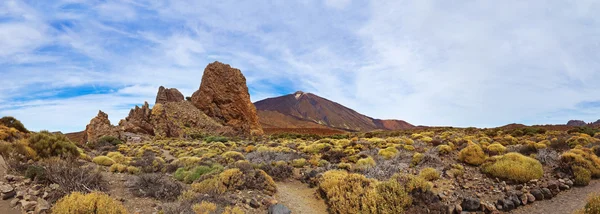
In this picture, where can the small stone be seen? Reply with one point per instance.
(563, 187)
(450, 209)
(515, 200)
(552, 185)
(547, 193)
(35, 192)
(6, 188)
(14, 202)
(569, 183)
(530, 198)
(9, 195)
(30, 197)
(42, 206)
(54, 186)
(519, 187)
(508, 205)
(27, 181)
(524, 199)
(279, 209)
(562, 181)
(36, 187)
(254, 203)
(470, 204)
(28, 205)
(20, 194)
(537, 193)
(458, 209)
(45, 195)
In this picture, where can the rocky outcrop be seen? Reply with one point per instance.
(166, 95)
(98, 127)
(576, 123)
(223, 95)
(138, 121)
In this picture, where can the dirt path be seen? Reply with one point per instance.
(299, 198)
(5, 205)
(565, 203)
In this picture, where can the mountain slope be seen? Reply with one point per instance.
(307, 107)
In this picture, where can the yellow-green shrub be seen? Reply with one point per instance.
(77, 203)
(496, 149)
(365, 163)
(584, 158)
(391, 197)
(593, 205)
(388, 153)
(188, 161)
(232, 178)
(204, 207)
(457, 170)
(472, 154)
(233, 210)
(444, 149)
(299, 163)
(582, 176)
(348, 193)
(133, 170)
(514, 166)
(211, 186)
(408, 148)
(103, 160)
(47, 144)
(118, 168)
(580, 140)
(417, 158)
(232, 156)
(429, 174)
(118, 157)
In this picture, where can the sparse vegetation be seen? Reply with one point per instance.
(95, 202)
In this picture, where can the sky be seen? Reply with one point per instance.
(452, 63)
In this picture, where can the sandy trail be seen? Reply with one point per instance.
(566, 202)
(299, 198)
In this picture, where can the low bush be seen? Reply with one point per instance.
(155, 186)
(582, 176)
(299, 163)
(235, 179)
(118, 157)
(472, 154)
(429, 174)
(388, 153)
(583, 158)
(444, 149)
(279, 172)
(593, 205)
(204, 208)
(106, 140)
(71, 177)
(232, 156)
(103, 161)
(47, 144)
(496, 149)
(514, 166)
(118, 168)
(211, 139)
(189, 176)
(96, 202)
(417, 158)
(365, 163)
(354, 193)
(149, 163)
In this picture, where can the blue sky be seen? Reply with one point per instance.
(459, 63)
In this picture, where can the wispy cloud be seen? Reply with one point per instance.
(428, 62)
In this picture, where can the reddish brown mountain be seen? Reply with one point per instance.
(300, 109)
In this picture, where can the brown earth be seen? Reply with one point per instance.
(273, 119)
(318, 110)
(317, 131)
(567, 202)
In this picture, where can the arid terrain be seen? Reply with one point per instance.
(216, 152)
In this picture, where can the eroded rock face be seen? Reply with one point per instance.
(138, 121)
(99, 126)
(223, 95)
(166, 95)
(576, 123)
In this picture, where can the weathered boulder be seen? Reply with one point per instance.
(223, 95)
(547, 193)
(537, 193)
(166, 95)
(99, 126)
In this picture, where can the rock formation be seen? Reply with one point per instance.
(223, 95)
(138, 121)
(99, 126)
(166, 95)
(576, 123)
